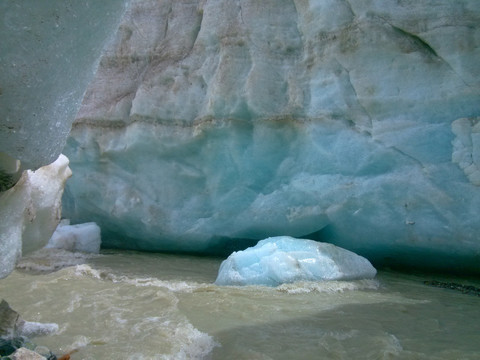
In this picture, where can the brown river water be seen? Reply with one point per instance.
(130, 305)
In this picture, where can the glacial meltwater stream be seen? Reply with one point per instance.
(128, 305)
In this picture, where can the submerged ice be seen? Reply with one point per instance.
(12, 326)
(283, 259)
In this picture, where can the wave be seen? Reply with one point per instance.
(304, 287)
(48, 260)
(301, 287)
(106, 274)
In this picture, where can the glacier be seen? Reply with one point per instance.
(210, 125)
(283, 259)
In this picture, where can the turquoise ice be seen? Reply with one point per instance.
(283, 259)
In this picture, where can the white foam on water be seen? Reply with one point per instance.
(393, 347)
(105, 274)
(141, 319)
(302, 287)
(305, 287)
(74, 303)
(186, 342)
(105, 311)
(87, 270)
(79, 343)
(194, 345)
(175, 286)
(47, 260)
(31, 329)
(341, 345)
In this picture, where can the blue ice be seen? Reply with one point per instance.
(284, 259)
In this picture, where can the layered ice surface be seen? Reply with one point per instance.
(213, 124)
(283, 259)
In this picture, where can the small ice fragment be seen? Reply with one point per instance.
(81, 237)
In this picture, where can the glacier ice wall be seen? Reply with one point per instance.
(48, 55)
(212, 124)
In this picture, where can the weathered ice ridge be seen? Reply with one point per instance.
(30, 212)
(212, 124)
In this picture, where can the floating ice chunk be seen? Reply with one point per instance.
(284, 259)
(24, 353)
(81, 237)
(12, 326)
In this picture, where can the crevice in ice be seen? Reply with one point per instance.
(349, 5)
(239, 3)
(199, 26)
(7, 181)
(407, 155)
(298, 28)
(165, 30)
(356, 97)
(10, 171)
(417, 40)
(420, 43)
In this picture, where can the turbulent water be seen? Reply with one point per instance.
(128, 305)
